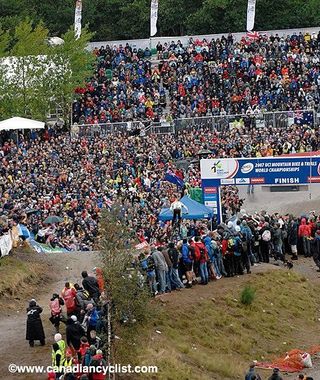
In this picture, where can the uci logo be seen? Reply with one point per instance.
(216, 167)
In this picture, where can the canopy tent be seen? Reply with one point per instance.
(20, 123)
(196, 211)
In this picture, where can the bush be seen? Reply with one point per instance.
(248, 295)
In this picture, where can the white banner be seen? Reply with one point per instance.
(78, 18)
(154, 17)
(5, 245)
(251, 13)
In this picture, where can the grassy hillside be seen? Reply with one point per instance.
(207, 333)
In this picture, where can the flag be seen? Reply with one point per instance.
(303, 118)
(253, 35)
(142, 245)
(173, 178)
(77, 19)
(154, 17)
(251, 13)
(108, 202)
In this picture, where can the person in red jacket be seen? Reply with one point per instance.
(98, 361)
(68, 294)
(202, 253)
(304, 233)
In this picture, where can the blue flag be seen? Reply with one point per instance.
(171, 177)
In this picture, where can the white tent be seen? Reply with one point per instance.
(20, 123)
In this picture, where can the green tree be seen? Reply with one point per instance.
(36, 77)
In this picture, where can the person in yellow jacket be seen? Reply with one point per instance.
(60, 353)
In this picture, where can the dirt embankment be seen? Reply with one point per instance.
(30, 275)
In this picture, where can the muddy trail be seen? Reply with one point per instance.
(14, 348)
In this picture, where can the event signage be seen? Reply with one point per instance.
(154, 17)
(251, 14)
(284, 170)
(78, 19)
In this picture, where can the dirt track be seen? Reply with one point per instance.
(14, 347)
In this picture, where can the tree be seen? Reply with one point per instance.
(34, 76)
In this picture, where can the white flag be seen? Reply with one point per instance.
(154, 17)
(251, 13)
(78, 18)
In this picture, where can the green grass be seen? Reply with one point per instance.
(16, 274)
(217, 339)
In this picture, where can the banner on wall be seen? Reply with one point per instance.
(154, 17)
(283, 170)
(78, 19)
(251, 13)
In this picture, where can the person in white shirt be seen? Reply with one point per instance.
(176, 208)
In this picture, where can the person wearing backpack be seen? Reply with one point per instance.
(187, 261)
(196, 255)
(55, 309)
(203, 260)
(237, 251)
(82, 299)
(174, 257)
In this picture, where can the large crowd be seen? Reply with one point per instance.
(75, 178)
(201, 78)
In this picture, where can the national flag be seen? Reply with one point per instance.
(253, 35)
(173, 178)
(303, 118)
(108, 202)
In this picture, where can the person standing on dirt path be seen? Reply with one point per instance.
(275, 375)
(251, 374)
(90, 284)
(68, 294)
(34, 324)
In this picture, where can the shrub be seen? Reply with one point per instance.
(247, 295)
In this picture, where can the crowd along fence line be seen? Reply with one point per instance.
(219, 123)
(152, 42)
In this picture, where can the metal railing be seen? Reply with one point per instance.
(219, 123)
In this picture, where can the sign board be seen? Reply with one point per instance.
(300, 170)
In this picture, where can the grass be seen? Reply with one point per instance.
(217, 338)
(16, 275)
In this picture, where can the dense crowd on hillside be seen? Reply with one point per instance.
(74, 178)
(216, 77)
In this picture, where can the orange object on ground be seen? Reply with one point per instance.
(291, 362)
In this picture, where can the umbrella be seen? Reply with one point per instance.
(53, 219)
(204, 152)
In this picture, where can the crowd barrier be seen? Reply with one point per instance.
(219, 123)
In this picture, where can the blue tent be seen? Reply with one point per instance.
(196, 211)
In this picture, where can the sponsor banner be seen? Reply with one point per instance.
(243, 181)
(314, 179)
(211, 203)
(5, 245)
(274, 170)
(227, 181)
(257, 181)
(211, 190)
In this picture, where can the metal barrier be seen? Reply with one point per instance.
(219, 123)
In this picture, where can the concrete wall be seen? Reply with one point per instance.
(184, 39)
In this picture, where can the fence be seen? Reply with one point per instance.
(219, 123)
